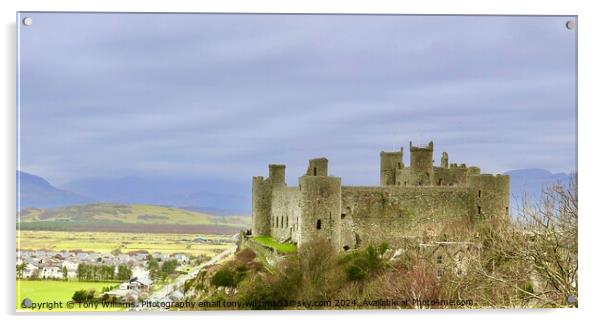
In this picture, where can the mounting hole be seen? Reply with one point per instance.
(27, 21)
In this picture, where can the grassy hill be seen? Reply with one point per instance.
(128, 218)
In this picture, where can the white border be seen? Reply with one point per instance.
(589, 155)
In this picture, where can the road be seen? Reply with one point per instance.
(173, 291)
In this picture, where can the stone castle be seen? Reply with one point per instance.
(409, 199)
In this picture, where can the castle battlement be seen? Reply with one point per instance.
(414, 198)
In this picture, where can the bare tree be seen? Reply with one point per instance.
(534, 258)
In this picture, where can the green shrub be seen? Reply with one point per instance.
(355, 273)
(273, 292)
(360, 264)
(83, 295)
(223, 278)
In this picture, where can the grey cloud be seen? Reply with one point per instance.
(223, 95)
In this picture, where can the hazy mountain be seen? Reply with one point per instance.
(35, 191)
(205, 195)
(531, 182)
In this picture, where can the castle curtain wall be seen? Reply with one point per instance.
(371, 213)
(286, 209)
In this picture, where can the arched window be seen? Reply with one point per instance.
(319, 224)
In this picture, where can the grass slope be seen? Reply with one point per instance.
(114, 217)
(270, 242)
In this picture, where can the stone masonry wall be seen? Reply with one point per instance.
(371, 212)
(320, 209)
(262, 206)
(286, 209)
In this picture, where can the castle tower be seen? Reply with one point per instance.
(277, 174)
(262, 199)
(390, 162)
(421, 164)
(317, 167)
(491, 196)
(262, 207)
(444, 160)
(320, 208)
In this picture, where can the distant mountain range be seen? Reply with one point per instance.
(206, 196)
(35, 191)
(531, 182)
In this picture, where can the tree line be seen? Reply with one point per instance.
(101, 272)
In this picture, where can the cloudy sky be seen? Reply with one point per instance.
(221, 96)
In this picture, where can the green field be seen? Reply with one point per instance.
(126, 242)
(39, 291)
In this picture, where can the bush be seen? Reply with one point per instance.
(398, 282)
(362, 263)
(320, 273)
(83, 295)
(355, 273)
(272, 292)
(223, 278)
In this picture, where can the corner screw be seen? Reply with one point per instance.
(27, 21)
(26, 303)
(570, 24)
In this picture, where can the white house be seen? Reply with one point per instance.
(138, 284)
(71, 268)
(181, 258)
(141, 284)
(51, 272)
(29, 270)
